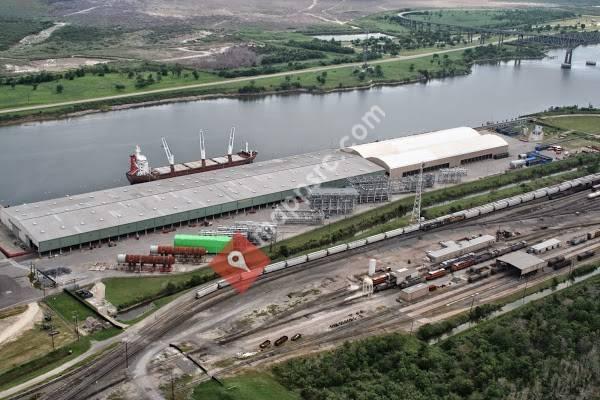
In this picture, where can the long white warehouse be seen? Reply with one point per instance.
(441, 149)
(109, 214)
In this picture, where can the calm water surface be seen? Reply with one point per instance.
(44, 160)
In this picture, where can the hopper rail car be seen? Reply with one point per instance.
(568, 187)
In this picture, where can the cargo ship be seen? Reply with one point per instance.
(140, 171)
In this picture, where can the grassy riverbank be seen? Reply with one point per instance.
(95, 92)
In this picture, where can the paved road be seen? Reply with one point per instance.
(228, 81)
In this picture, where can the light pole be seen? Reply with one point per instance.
(126, 355)
(76, 325)
(525, 290)
(172, 387)
(51, 334)
(473, 296)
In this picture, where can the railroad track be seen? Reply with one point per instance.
(76, 384)
(366, 326)
(561, 206)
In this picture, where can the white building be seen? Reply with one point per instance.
(441, 149)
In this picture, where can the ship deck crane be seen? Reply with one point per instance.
(230, 146)
(202, 148)
(170, 155)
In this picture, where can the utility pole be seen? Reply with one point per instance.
(172, 387)
(525, 290)
(126, 356)
(52, 336)
(76, 325)
(473, 296)
(416, 212)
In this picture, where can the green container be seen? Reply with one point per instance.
(212, 244)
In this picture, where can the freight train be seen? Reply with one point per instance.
(468, 260)
(558, 262)
(572, 186)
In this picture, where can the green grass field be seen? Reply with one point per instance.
(23, 8)
(504, 18)
(586, 123)
(394, 71)
(92, 86)
(461, 17)
(128, 291)
(87, 87)
(251, 386)
(68, 307)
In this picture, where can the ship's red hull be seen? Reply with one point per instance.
(247, 158)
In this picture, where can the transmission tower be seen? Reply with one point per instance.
(416, 212)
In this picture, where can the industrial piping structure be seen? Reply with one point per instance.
(575, 185)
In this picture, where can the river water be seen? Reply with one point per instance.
(50, 159)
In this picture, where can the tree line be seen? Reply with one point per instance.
(545, 350)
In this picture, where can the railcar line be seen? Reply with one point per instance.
(74, 384)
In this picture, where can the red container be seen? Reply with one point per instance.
(435, 274)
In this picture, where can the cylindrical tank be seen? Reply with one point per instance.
(372, 266)
(140, 259)
(517, 164)
(593, 195)
(178, 251)
(212, 244)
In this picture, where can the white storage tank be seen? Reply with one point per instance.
(372, 266)
(516, 164)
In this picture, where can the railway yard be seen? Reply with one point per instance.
(142, 280)
(317, 304)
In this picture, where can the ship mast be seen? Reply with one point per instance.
(170, 155)
(202, 148)
(230, 147)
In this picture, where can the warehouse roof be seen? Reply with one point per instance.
(451, 246)
(545, 244)
(427, 147)
(72, 215)
(521, 260)
(414, 288)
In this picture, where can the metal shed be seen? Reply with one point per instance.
(525, 263)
